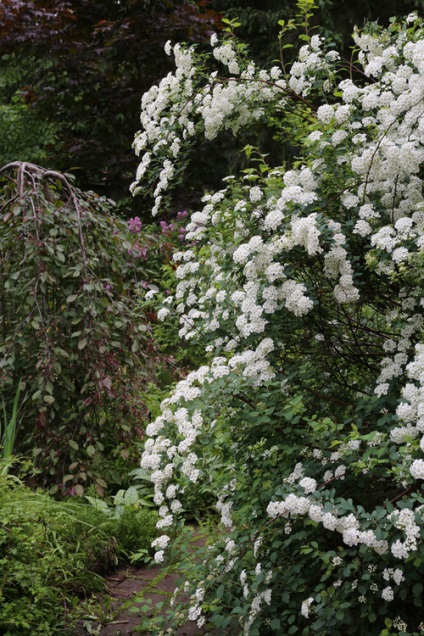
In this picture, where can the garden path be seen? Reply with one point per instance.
(134, 594)
(150, 585)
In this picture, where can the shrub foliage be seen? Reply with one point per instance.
(71, 332)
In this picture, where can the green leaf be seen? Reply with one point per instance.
(90, 450)
(417, 589)
(82, 343)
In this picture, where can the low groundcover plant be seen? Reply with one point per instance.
(304, 284)
(53, 555)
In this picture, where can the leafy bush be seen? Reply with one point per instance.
(130, 518)
(304, 285)
(136, 529)
(72, 332)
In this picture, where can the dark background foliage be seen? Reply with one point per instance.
(72, 74)
(82, 66)
(336, 18)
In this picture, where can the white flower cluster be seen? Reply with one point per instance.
(395, 574)
(347, 526)
(195, 609)
(312, 62)
(405, 520)
(217, 105)
(308, 484)
(225, 508)
(306, 607)
(227, 55)
(255, 607)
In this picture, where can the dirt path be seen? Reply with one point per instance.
(132, 588)
(135, 596)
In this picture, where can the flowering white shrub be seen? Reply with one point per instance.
(305, 284)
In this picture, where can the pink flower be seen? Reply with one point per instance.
(134, 225)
